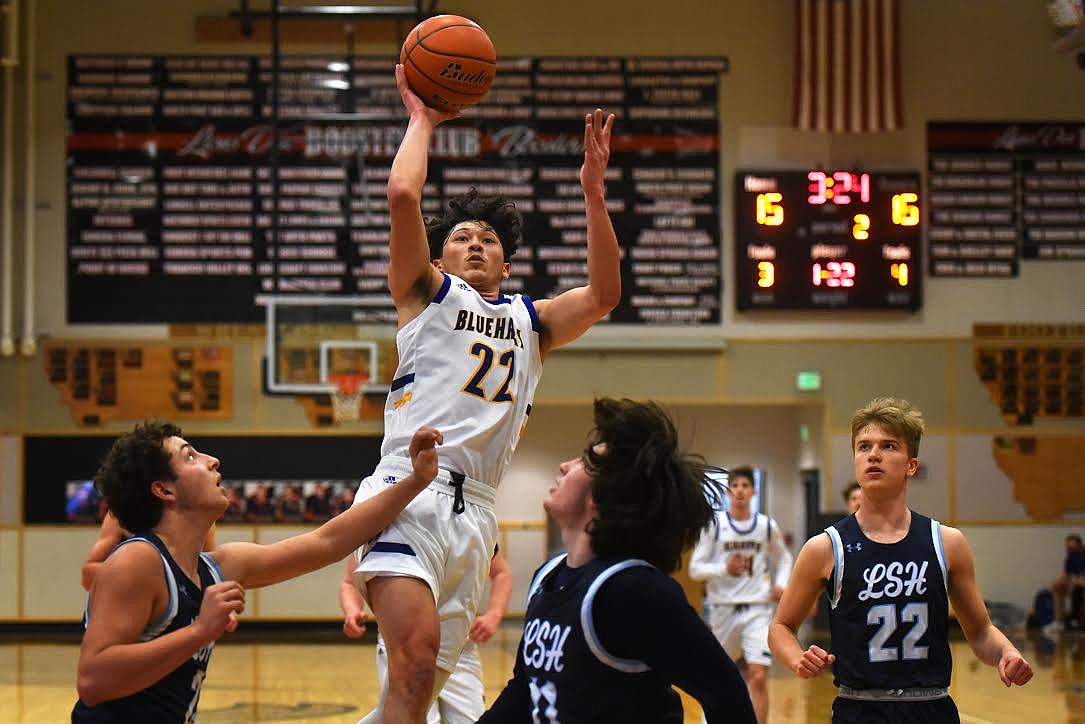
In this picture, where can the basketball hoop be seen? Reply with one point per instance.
(347, 396)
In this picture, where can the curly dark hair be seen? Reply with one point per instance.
(497, 212)
(653, 500)
(136, 460)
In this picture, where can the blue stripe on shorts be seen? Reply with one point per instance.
(384, 547)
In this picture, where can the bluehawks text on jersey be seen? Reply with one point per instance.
(495, 328)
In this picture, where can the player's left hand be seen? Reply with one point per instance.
(596, 150)
(1014, 669)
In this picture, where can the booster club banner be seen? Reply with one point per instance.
(170, 190)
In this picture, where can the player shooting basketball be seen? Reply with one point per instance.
(469, 361)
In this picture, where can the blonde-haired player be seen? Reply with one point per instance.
(890, 574)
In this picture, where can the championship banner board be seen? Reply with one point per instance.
(171, 186)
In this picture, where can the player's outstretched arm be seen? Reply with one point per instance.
(352, 603)
(261, 565)
(412, 279)
(571, 313)
(812, 569)
(113, 661)
(988, 643)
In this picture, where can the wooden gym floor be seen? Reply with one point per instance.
(329, 683)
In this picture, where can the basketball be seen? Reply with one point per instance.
(450, 62)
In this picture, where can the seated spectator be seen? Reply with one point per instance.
(1071, 583)
(235, 507)
(258, 505)
(1075, 569)
(288, 506)
(318, 504)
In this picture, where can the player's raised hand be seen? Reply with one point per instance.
(814, 660)
(414, 104)
(1014, 669)
(596, 150)
(218, 612)
(423, 451)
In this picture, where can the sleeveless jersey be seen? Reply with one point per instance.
(572, 679)
(468, 366)
(750, 538)
(889, 608)
(174, 697)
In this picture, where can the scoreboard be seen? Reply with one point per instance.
(817, 239)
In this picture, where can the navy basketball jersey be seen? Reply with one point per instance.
(571, 677)
(174, 697)
(889, 608)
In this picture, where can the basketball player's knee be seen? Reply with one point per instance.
(418, 663)
(418, 675)
(757, 677)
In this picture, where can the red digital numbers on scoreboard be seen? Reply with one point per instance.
(819, 239)
(839, 187)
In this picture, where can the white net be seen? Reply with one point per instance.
(347, 399)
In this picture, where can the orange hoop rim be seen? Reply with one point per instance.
(347, 383)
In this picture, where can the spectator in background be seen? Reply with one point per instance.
(1071, 583)
(343, 500)
(318, 504)
(288, 505)
(235, 505)
(258, 505)
(853, 495)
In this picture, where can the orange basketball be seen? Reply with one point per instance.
(450, 62)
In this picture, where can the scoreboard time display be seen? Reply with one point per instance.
(827, 240)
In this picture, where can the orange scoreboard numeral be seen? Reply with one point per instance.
(766, 274)
(770, 212)
(905, 211)
(900, 273)
(860, 229)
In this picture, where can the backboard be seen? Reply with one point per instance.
(312, 340)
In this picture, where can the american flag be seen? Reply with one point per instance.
(847, 66)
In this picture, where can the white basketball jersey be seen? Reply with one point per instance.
(468, 366)
(751, 540)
